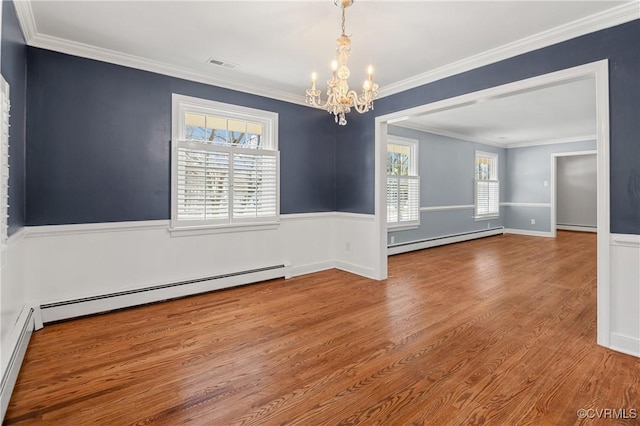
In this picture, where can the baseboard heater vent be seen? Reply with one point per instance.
(440, 241)
(10, 375)
(107, 302)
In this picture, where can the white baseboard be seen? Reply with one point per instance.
(311, 268)
(624, 344)
(355, 269)
(529, 233)
(434, 242)
(20, 338)
(577, 228)
(102, 303)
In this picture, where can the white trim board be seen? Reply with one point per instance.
(625, 240)
(625, 344)
(440, 241)
(529, 233)
(599, 21)
(577, 228)
(553, 178)
(91, 228)
(599, 71)
(535, 205)
(447, 208)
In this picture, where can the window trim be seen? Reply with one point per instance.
(181, 104)
(496, 159)
(5, 125)
(414, 168)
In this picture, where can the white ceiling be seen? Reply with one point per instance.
(277, 44)
(552, 114)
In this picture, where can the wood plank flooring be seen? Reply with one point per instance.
(497, 331)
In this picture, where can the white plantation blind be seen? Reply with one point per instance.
(5, 106)
(255, 185)
(203, 184)
(487, 198)
(403, 200)
(224, 184)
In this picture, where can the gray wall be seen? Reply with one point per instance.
(99, 142)
(446, 168)
(447, 175)
(527, 170)
(576, 196)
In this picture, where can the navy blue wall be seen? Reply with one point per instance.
(99, 142)
(618, 44)
(14, 70)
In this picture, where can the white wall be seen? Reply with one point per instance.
(13, 295)
(625, 293)
(17, 321)
(576, 180)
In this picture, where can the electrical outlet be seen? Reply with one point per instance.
(393, 239)
(347, 246)
(533, 221)
(546, 183)
(488, 225)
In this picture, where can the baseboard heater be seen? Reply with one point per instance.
(123, 299)
(10, 375)
(443, 240)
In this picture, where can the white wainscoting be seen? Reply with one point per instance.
(355, 243)
(84, 269)
(18, 316)
(625, 294)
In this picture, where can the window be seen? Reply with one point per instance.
(225, 165)
(403, 183)
(487, 185)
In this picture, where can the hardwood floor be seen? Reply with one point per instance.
(497, 331)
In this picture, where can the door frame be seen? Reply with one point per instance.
(554, 184)
(599, 71)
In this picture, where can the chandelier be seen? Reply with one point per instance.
(340, 99)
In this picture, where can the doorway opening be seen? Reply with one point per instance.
(598, 73)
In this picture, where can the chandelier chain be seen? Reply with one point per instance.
(343, 19)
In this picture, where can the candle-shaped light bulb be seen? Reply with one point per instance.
(370, 72)
(314, 77)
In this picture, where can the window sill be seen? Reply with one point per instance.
(187, 231)
(480, 218)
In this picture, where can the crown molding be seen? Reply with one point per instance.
(106, 55)
(608, 18)
(596, 22)
(552, 141)
(26, 19)
(492, 142)
(422, 128)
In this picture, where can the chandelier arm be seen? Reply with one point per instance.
(361, 104)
